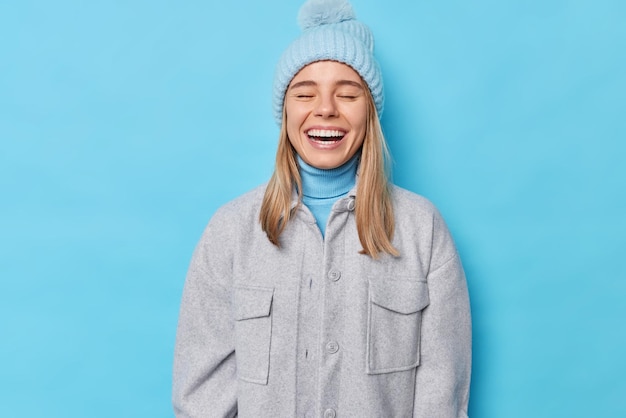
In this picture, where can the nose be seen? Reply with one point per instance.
(326, 106)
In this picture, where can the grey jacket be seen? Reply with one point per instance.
(315, 329)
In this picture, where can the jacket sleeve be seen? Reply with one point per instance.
(204, 375)
(443, 376)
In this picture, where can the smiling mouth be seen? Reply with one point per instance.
(325, 135)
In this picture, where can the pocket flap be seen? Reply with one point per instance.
(252, 302)
(404, 296)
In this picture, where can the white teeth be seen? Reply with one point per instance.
(326, 133)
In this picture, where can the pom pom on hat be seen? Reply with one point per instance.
(322, 12)
(330, 31)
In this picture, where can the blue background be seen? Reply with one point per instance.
(125, 124)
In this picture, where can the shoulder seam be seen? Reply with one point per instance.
(443, 264)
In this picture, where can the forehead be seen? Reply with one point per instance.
(330, 72)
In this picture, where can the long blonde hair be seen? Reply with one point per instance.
(373, 207)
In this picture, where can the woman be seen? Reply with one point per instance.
(327, 292)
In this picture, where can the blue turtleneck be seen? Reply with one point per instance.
(322, 188)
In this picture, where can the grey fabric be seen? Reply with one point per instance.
(315, 329)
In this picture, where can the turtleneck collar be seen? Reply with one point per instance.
(318, 183)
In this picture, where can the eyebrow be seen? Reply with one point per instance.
(309, 83)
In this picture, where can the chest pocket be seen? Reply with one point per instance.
(394, 324)
(253, 332)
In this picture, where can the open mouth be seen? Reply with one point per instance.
(325, 136)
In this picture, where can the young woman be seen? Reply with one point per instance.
(327, 292)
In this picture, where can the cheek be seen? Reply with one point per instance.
(356, 112)
(292, 133)
(292, 127)
(359, 120)
(293, 117)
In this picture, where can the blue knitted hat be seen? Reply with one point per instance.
(329, 32)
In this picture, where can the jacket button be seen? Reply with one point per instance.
(332, 347)
(330, 413)
(351, 205)
(334, 275)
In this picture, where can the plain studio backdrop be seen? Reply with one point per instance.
(125, 124)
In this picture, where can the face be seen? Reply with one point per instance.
(326, 109)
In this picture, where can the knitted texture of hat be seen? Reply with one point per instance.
(330, 31)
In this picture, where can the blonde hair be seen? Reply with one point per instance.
(373, 207)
